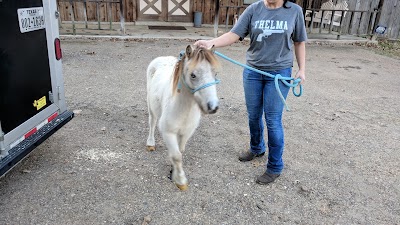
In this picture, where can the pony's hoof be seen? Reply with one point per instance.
(150, 148)
(182, 187)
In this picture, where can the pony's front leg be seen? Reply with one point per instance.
(178, 175)
(182, 141)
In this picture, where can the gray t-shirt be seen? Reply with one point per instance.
(272, 33)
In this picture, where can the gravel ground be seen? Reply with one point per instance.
(341, 154)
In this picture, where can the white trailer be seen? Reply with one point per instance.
(32, 100)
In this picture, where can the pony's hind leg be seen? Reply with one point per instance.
(178, 175)
(151, 143)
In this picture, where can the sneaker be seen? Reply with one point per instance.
(267, 178)
(248, 156)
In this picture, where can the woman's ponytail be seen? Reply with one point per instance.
(285, 1)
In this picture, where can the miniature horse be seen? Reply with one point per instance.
(178, 92)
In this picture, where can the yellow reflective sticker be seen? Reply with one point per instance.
(40, 103)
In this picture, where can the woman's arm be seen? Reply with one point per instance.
(221, 41)
(300, 52)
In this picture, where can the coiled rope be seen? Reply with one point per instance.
(277, 78)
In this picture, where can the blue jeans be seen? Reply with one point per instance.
(262, 97)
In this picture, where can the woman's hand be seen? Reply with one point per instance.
(302, 75)
(300, 52)
(207, 44)
(221, 41)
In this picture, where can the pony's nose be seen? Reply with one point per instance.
(212, 107)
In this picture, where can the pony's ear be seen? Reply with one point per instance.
(189, 50)
(212, 49)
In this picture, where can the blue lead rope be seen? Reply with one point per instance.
(277, 77)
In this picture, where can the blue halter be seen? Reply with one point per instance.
(181, 80)
(193, 90)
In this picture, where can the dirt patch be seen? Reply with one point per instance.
(341, 154)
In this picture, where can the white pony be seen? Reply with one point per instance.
(178, 92)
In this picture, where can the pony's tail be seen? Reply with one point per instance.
(151, 69)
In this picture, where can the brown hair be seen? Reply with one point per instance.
(285, 1)
(195, 56)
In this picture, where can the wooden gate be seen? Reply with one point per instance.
(165, 10)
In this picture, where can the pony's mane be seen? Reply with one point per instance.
(197, 56)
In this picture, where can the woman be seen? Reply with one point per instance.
(276, 28)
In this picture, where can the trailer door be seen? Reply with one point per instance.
(25, 81)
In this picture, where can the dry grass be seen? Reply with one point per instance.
(388, 47)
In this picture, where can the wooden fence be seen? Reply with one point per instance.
(90, 10)
(81, 11)
(362, 19)
(99, 8)
(390, 17)
(366, 15)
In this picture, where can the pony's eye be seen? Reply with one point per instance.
(192, 75)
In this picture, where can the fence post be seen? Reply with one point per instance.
(72, 17)
(359, 24)
(322, 20)
(216, 18)
(372, 22)
(312, 20)
(110, 14)
(341, 24)
(227, 18)
(98, 14)
(122, 16)
(331, 22)
(349, 29)
(59, 16)
(85, 13)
